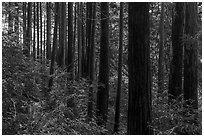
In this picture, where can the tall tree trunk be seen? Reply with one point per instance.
(70, 63)
(54, 47)
(44, 40)
(41, 35)
(62, 34)
(28, 30)
(38, 33)
(161, 51)
(83, 40)
(103, 89)
(139, 102)
(175, 79)
(91, 24)
(48, 31)
(16, 27)
(10, 19)
(25, 50)
(191, 57)
(74, 42)
(34, 20)
(79, 40)
(117, 106)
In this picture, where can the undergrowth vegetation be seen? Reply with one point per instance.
(28, 108)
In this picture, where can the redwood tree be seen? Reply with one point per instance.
(103, 89)
(91, 24)
(38, 33)
(48, 30)
(70, 63)
(117, 107)
(139, 102)
(34, 25)
(54, 47)
(175, 79)
(191, 56)
(62, 34)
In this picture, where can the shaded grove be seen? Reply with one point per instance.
(101, 68)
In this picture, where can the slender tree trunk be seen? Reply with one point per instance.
(74, 42)
(139, 102)
(79, 41)
(28, 30)
(54, 47)
(38, 33)
(191, 57)
(44, 40)
(175, 79)
(41, 35)
(10, 19)
(62, 34)
(103, 89)
(117, 107)
(16, 27)
(161, 52)
(48, 31)
(34, 19)
(83, 48)
(25, 50)
(70, 63)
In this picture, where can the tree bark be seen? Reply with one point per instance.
(175, 79)
(34, 19)
(191, 57)
(38, 33)
(139, 102)
(29, 29)
(70, 67)
(79, 40)
(117, 106)
(41, 35)
(54, 47)
(103, 89)
(48, 30)
(91, 24)
(62, 34)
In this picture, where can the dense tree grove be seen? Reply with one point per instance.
(101, 68)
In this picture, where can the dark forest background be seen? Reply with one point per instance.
(92, 68)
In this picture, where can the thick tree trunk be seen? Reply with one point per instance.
(175, 79)
(103, 89)
(191, 57)
(62, 34)
(139, 103)
(91, 24)
(117, 106)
